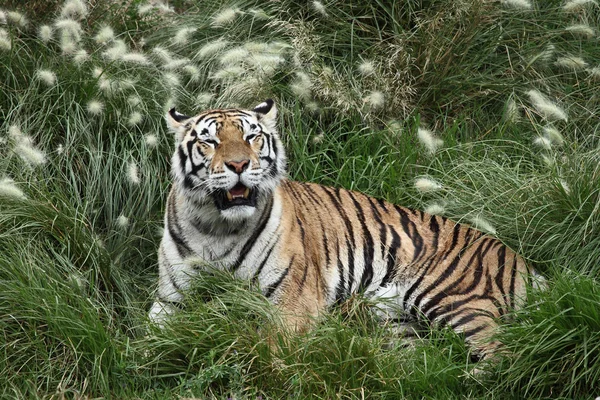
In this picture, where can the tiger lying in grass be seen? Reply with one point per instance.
(309, 246)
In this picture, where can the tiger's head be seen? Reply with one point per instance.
(230, 158)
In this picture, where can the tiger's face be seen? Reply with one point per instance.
(229, 158)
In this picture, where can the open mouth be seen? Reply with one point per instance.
(239, 195)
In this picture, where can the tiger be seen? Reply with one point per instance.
(309, 247)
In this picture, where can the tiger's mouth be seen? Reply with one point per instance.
(239, 195)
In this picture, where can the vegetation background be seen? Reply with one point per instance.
(484, 111)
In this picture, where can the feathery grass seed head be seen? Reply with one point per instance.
(5, 42)
(482, 224)
(46, 76)
(320, 8)
(17, 19)
(192, 71)
(171, 79)
(45, 33)
(212, 48)
(429, 140)
(183, 35)
(134, 100)
(136, 58)
(375, 99)
(578, 5)
(553, 135)
(571, 62)
(543, 142)
(116, 51)
(104, 35)
(225, 17)
(133, 174)
(581, 30)
(9, 189)
(151, 140)
(511, 110)
(74, 9)
(545, 107)
(122, 221)
(163, 54)
(427, 185)
(30, 154)
(135, 118)
(366, 68)
(94, 107)
(204, 99)
(234, 56)
(435, 209)
(518, 4)
(80, 56)
(229, 72)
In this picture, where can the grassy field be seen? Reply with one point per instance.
(483, 111)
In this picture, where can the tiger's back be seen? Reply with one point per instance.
(309, 246)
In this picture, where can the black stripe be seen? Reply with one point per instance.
(264, 262)
(391, 258)
(449, 290)
(255, 235)
(368, 247)
(411, 231)
(513, 278)
(271, 288)
(174, 229)
(448, 272)
(340, 288)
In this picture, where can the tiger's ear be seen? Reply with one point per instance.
(266, 113)
(177, 123)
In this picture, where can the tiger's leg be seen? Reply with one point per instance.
(173, 276)
(477, 322)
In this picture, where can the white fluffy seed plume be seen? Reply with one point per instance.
(116, 51)
(32, 156)
(578, 5)
(17, 19)
(46, 76)
(9, 189)
(95, 107)
(234, 56)
(427, 185)
(5, 42)
(134, 100)
(151, 140)
(543, 142)
(133, 174)
(320, 8)
(571, 62)
(80, 56)
(45, 33)
(366, 68)
(104, 35)
(582, 30)
(375, 99)
(183, 35)
(518, 4)
(136, 58)
(546, 108)
(122, 221)
(76, 9)
(135, 118)
(211, 48)
(553, 135)
(483, 225)
(225, 17)
(163, 54)
(429, 140)
(204, 99)
(435, 209)
(511, 110)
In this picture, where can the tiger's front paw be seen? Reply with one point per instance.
(160, 312)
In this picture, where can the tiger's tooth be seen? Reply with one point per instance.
(246, 193)
(229, 196)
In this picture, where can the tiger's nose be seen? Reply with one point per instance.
(238, 166)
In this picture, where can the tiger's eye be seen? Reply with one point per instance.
(253, 126)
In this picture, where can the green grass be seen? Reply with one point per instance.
(78, 251)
